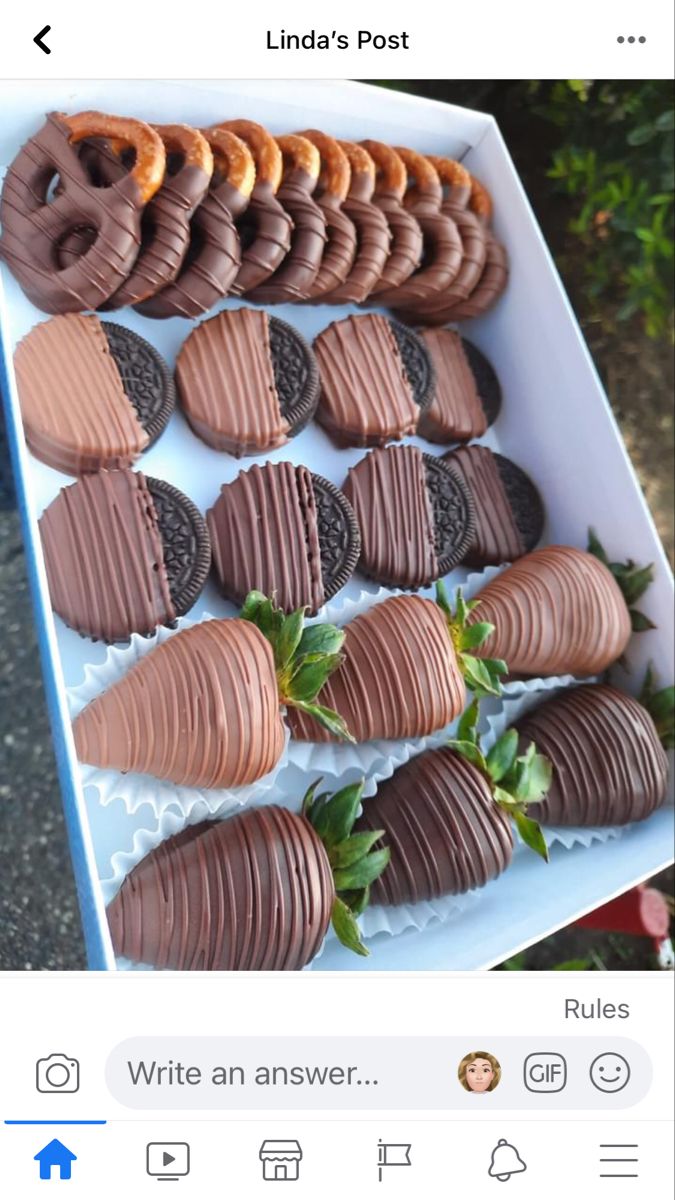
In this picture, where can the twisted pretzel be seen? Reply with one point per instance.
(335, 170)
(148, 169)
(391, 177)
(426, 194)
(372, 231)
(407, 243)
(455, 177)
(480, 201)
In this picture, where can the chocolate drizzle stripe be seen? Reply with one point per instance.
(406, 247)
(399, 679)
(264, 535)
(104, 557)
(388, 493)
(365, 392)
(72, 397)
(456, 412)
(609, 767)
(226, 380)
(497, 537)
(200, 710)
(557, 610)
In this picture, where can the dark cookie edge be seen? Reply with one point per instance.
(453, 557)
(487, 384)
(300, 409)
(525, 500)
(155, 421)
(183, 599)
(413, 351)
(333, 583)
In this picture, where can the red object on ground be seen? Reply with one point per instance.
(642, 911)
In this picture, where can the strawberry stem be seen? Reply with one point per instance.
(482, 675)
(660, 705)
(632, 580)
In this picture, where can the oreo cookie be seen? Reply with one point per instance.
(415, 513)
(93, 394)
(124, 554)
(377, 378)
(247, 382)
(467, 397)
(283, 531)
(509, 509)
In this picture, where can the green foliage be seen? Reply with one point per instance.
(632, 579)
(660, 704)
(481, 674)
(615, 163)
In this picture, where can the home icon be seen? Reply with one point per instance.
(55, 1155)
(281, 1160)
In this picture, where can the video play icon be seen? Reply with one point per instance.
(168, 1160)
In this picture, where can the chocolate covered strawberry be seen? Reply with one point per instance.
(561, 610)
(256, 892)
(607, 752)
(203, 709)
(406, 667)
(446, 815)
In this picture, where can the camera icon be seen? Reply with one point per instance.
(58, 1073)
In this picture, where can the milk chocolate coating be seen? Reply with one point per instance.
(445, 832)
(211, 262)
(442, 254)
(265, 236)
(201, 710)
(252, 893)
(105, 558)
(293, 279)
(416, 518)
(366, 397)
(505, 498)
(609, 766)
(372, 243)
(487, 291)
(407, 244)
(474, 238)
(33, 228)
(400, 677)
(457, 412)
(77, 416)
(226, 383)
(265, 537)
(558, 610)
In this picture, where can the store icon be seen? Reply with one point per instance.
(281, 1160)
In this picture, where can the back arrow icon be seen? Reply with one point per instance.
(38, 39)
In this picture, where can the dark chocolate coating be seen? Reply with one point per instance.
(509, 509)
(474, 238)
(265, 236)
(442, 255)
(487, 291)
(372, 244)
(252, 893)
(340, 249)
(609, 766)
(212, 259)
(294, 277)
(416, 516)
(33, 228)
(406, 246)
(444, 830)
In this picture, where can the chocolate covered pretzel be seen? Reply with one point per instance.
(265, 228)
(372, 231)
(459, 187)
(407, 243)
(293, 279)
(330, 195)
(213, 257)
(442, 243)
(34, 226)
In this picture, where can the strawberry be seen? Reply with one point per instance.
(445, 815)
(256, 892)
(561, 610)
(203, 709)
(403, 675)
(609, 764)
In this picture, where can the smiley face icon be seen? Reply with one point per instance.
(609, 1072)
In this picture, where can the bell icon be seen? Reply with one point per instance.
(506, 1161)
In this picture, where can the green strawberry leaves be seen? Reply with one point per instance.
(632, 579)
(355, 861)
(515, 780)
(661, 707)
(481, 674)
(304, 657)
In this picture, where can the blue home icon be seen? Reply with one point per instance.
(55, 1155)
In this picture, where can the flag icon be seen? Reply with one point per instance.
(392, 1154)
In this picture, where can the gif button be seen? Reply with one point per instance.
(545, 1072)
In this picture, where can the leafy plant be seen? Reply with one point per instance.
(632, 580)
(481, 674)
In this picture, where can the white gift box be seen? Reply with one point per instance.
(555, 422)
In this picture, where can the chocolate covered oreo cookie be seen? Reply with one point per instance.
(415, 514)
(247, 382)
(124, 554)
(376, 380)
(509, 509)
(93, 394)
(283, 531)
(467, 396)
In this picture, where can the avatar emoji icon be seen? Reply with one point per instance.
(479, 1072)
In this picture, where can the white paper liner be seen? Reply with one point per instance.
(135, 789)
